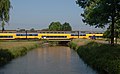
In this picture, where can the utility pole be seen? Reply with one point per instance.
(26, 33)
(78, 34)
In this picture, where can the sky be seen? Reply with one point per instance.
(38, 14)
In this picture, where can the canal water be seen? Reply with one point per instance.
(48, 60)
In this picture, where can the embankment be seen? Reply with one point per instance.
(102, 57)
(12, 50)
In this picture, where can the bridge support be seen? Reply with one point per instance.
(64, 43)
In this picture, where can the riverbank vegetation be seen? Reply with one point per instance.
(13, 49)
(102, 57)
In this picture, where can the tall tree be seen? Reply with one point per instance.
(4, 11)
(66, 27)
(107, 33)
(55, 26)
(100, 13)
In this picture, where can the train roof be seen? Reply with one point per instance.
(39, 31)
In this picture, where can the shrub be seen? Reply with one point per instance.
(72, 45)
(5, 56)
(103, 57)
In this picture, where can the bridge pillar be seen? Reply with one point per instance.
(64, 43)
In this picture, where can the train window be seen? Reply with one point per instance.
(23, 34)
(6, 36)
(43, 36)
(32, 34)
(74, 34)
(82, 34)
(35, 34)
(20, 34)
(54, 36)
(17, 34)
(65, 36)
(9, 36)
(29, 35)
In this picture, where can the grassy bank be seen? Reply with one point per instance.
(102, 57)
(13, 49)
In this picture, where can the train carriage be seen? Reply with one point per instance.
(27, 36)
(54, 35)
(6, 36)
(50, 35)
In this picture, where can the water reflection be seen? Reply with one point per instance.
(48, 60)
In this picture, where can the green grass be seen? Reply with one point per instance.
(13, 49)
(12, 44)
(81, 40)
(102, 57)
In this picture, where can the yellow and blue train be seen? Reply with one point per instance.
(37, 34)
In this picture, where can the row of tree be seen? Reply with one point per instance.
(57, 26)
(100, 13)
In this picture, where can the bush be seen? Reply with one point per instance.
(72, 45)
(5, 56)
(103, 57)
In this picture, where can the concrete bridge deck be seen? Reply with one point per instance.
(62, 40)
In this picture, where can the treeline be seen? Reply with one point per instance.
(57, 26)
